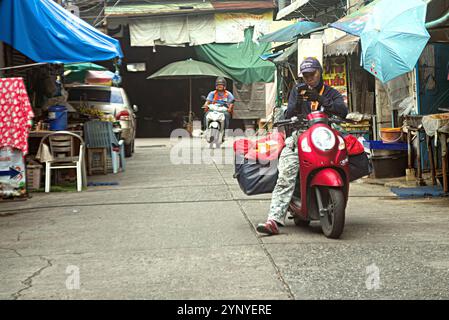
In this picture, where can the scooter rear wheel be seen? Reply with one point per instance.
(333, 216)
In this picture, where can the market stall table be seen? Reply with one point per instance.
(437, 126)
(43, 133)
(35, 138)
(414, 130)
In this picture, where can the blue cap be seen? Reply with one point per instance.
(310, 65)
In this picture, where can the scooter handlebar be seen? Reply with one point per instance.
(282, 123)
(217, 107)
(340, 120)
(334, 117)
(297, 121)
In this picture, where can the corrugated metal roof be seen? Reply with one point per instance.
(344, 46)
(310, 8)
(189, 7)
(243, 5)
(158, 8)
(290, 8)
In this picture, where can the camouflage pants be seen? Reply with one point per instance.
(285, 186)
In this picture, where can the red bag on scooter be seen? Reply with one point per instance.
(353, 145)
(359, 164)
(256, 163)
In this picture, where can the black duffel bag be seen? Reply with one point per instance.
(254, 177)
(359, 166)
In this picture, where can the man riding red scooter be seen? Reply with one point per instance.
(317, 152)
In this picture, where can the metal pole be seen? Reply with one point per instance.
(444, 159)
(190, 102)
(105, 23)
(419, 178)
(431, 159)
(190, 124)
(291, 71)
(24, 66)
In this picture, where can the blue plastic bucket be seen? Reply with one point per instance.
(57, 115)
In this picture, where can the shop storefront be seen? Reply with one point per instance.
(39, 36)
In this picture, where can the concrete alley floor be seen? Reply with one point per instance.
(186, 231)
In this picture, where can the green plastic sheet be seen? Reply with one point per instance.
(76, 72)
(241, 61)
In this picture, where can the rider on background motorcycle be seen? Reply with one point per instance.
(220, 96)
(304, 99)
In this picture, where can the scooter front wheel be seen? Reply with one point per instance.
(212, 138)
(215, 134)
(208, 136)
(332, 207)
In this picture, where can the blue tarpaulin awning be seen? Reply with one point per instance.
(46, 32)
(291, 32)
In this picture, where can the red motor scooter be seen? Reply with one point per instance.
(323, 185)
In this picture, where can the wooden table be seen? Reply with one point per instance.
(41, 134)
(437, 129)
(35, 137)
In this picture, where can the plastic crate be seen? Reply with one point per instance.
(358, 126)
(34, 175)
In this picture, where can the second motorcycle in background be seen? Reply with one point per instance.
(215, 125)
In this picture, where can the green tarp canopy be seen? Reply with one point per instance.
(76, 72)
(241, 61)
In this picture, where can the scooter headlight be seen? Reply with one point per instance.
(323, 138)
(305, 146)
(342, 143)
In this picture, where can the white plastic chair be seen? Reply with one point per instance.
(62, 149)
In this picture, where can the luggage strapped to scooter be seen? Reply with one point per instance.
(256, 163)
(359, 163)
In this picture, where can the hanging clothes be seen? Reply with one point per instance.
(15, 114)
(172, 31)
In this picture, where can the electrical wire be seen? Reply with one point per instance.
(99, 15)
(105, 16)
(85, 3)
(91, 8)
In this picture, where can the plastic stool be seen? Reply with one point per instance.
(93, 164)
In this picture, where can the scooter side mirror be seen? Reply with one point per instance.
(203, 98)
